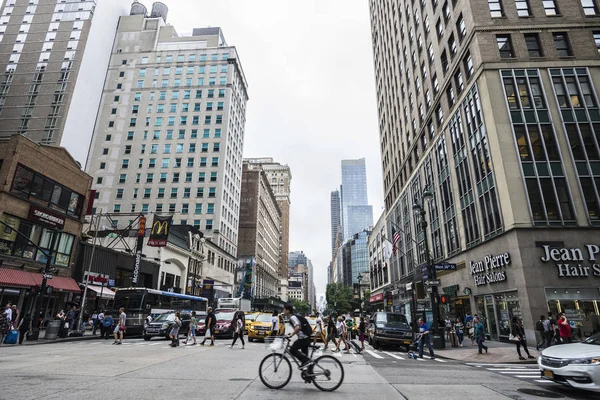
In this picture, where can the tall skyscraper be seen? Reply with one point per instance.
(53, 59)
(493, 109)
(356, 213)
(280, 178)
(336, 223)
(170, 131)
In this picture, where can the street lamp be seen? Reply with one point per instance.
(359, 278)
(419, 209)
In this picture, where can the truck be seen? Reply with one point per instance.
(236, 303)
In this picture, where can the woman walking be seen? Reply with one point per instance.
(479, 335)
(517, 331)
(239, 329)
(275, 323)
(460, 333)
(174, 334)
(192, 330)
(331, 329)
(24, 327)
(362, 327)
(341, 331)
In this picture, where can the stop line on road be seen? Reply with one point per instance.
(380, 355)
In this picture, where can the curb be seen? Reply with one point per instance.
(43, 341)
(487, 362)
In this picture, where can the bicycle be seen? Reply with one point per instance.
(275, 370)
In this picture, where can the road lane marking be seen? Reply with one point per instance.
(526, 376)
(373, 354)
(394, 356)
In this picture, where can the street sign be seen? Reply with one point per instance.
(445, 267)
(432, 282)
(47, 276)
(429, 289)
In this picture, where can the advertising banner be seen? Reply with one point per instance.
(160, 231)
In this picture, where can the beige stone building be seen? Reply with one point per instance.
(260, 220)
(493, 107)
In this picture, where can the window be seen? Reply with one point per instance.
(522, 8)
(212, 192)
(200, 192)
(550, 7)
(188, 176)
(198, 209)
(102, 165)
(496, 10)
(185, 208)
(122, 178)
(561, 42)
(452, 45)
(215, 162)
(125, 164)
(163, 177)
(149, 178)
(439, 27)
(213, 176)
(210, 209)
(152, 163)
(209, 223)
(504, 46)
(202, 175)
(597, 40)
(533, 45)
(165, 163)
(186, 193)
(203, 161)
(461, 27)
(468, 63)
(589, 7)
(173, 193)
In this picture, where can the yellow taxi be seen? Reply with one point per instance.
(313, 324)
(249, 316)
(261, 327)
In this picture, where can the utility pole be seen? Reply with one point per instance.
(35, 331)
(87, 278)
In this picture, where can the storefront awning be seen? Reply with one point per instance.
(24, 279)
(103, 293)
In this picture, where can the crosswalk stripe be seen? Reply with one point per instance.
(526, 376)
(394, 356)
(543, 381)
(373, 354)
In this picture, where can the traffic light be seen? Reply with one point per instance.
(444, 299)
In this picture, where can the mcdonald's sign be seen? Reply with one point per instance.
(160, 231)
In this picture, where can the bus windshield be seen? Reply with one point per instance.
(129, 300)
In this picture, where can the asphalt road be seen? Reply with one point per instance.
(153, 370)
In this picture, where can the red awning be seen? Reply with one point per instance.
(16, 278)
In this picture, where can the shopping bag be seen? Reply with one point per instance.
(11, 337)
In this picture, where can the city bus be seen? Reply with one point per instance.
(139, 302)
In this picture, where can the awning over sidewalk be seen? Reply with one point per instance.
(103, 293)
(24, 279)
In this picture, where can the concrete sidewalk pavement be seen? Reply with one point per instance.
(498, 352)
(41, 340)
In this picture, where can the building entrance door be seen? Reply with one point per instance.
(487, 314)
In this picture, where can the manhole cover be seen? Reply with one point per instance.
(541, 393)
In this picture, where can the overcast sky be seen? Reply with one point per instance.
(309, 67)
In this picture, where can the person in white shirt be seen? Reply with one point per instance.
(239, 329)
(8, 312)
(320, 333)
(275, 323)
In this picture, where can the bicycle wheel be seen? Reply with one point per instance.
(275, 371)
(329, 373)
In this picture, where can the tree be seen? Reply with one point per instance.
(339, 297)
(301, 306)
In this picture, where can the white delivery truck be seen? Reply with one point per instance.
(236, 303)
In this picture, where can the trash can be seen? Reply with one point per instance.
(439, 341)
(52, 330)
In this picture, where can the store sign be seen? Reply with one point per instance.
(450, 290)
(96, 279)
(574, 268)
(486, 271)
(46, 217)
(376, 297)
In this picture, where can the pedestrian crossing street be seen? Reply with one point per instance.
(528, 372)
(160, 344)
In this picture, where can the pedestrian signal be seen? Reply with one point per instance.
(444, 299)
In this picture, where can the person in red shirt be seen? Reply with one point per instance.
(564, 329)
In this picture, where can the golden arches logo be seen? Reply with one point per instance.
(159, 226)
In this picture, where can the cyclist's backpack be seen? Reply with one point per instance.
(305, 326)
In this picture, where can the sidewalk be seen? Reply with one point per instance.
(499, 353)
(41, 340)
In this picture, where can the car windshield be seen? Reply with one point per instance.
(594, 339)
(164, 317)
(251, 317)
(392, 319)
(312, 321)
(264, 318)
(226, 316)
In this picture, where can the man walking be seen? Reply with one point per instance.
(120, 328)
(479, 335)
(425, 339)
(99, 323)
(24, 327)
(539, 326)
(71, 318)
(209, 324)
(107, 324)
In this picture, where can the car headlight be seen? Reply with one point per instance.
(165, 326)
(585, 361)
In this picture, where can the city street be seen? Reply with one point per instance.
(97, 369)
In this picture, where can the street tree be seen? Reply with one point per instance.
(301, 306)
(339, 297)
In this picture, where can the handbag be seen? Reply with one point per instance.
(471, 331)
(513, 338)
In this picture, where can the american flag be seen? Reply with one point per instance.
(395, 240)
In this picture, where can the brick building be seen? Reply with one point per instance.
(43, 196)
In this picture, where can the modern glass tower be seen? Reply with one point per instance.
(356, 213)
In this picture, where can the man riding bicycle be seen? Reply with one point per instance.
(300, 347)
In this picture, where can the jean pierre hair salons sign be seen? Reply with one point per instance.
(573, 262)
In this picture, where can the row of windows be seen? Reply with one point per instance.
(551, 9)
(147, 193)
(173, 107)
(175, 95)
(182, 58)
(169, 134)
(177, 82)
(166, 163)
(534, 48)
(171, 121)
(163, 176)
(212, 69)
(179, 148)
(172, 208)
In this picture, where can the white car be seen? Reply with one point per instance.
(575, 364)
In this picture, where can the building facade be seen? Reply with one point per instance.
(260, 220)
(336, 222)
(43, 199)
(356, 213)
(170, 130)
(379, 257)
(493, 108)
(352, 259)
(53, 59)
(280, 179)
